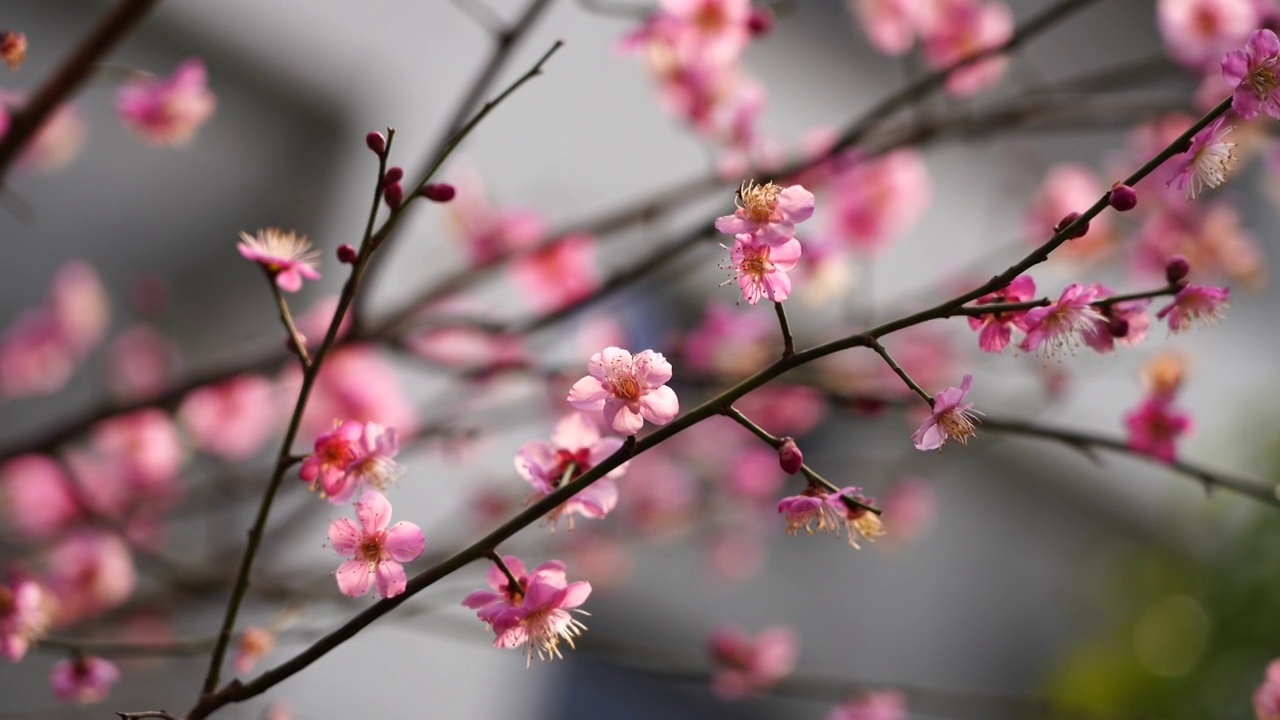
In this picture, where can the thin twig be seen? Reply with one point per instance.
(788, 342)
(897, 370)
(297, 343)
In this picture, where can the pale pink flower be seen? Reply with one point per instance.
(351, 456)
(356, 383)
(254, 644)
(875, 705)
(83, 679)
(872, 201)
(747, 665)
(1057, 328)
(576, 446)
(951, 417)
(167, 111)
(712, 29)
(34, 356)
(736, 553)
(375, 548)
(890, 25)
(231, 419)
(80, 305)
(1207, 162)
(24, 616)
(995, 330)
(560, 274)
(762, 268)
(730, 341)
(286, 256)
(89, 572)
(1266, 699)
(537, 613)
(666, 503)
(1253, 73)
(962, 30)
(1198, 32)
(628, 389)
(769, 212)
(38, 497)
(140, 362)
(1155, 426)
(1195, 303)
(145, 445)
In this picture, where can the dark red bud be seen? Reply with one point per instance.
(761, 21)
(1118, 327)
(1123, 198)
(1070, 218)
(439, 192)
(394, 195)
(394, 174)
(346, 254)
(1176, 270)
(790, 457)
(376, 142)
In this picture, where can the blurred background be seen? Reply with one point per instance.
(1103, 586)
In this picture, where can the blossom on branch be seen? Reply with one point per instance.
(1252, 72)
(831, 513)
(1155, 426)
(350, 457)
(1057, 328)
(951, 418)
(576, 446)
(83, 679)
(375, 548)
(1195, 303)
(1207, 162)
(536, 614)
(995, 329)
(287, 257)
(628, 389)
(747, 665)
(167, 111)
(762, 268)
(769, 212)
(959, 29)
(24, 616)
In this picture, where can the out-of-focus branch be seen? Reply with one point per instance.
(122, 19)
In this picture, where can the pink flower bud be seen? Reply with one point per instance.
(439, 192)
(376, 142)
(1067, 220)
(761, 21)
(1122, 197)
(790, 457)
(346, 254)
(1176, 270)
(394, 195)
(394, 174)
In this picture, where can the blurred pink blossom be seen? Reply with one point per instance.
(140, 362)
(961, 29)
(1197, 32)
(747, 665)
(231, 419)
(559, 275)
(89, 572)
(890, 25)
(876, 705)
(1266, 699)
(874, 200)
(24, 615)
(145, 445)
(576, 446)
(167, 111)
(1155, 426)
(83, 679)
(37, 495)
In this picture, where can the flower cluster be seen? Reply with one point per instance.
(576, 446)
(1156, 424)
(747, 665)
(167, 111)
(817, 509)
(534, 612)
(351, 457)
(765, 247)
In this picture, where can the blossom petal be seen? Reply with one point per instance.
(374, 511)
(354, 578)
(622, 418)
(391, 579)
(404, 541)
(587, 394)
(659, 406)
(344, 536)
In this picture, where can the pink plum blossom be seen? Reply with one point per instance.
(1266, 699)
(962, 29)
(1194, 303)
(890, 25)
(1155, 426)
(140, 362)
(351, 457)
(995, 330)
(34, 357)
(729, 341)
(1252, 72)
(560, 274)
(873, 200)
(24, 615)
(747, 665)
(231, 419)
(716, 29)
(1057, 328)
(254, 644)
(335, 450)
(629, 390)
(817, 509)
(80, 305)
(951, 417)
(491, 232)
(84, 679)
(286, 256)
(167, 111)
(1207, 162)
(37, 495)
(576, 446)
(90, 571)
(1067, 188)
(1124, 323)
(768, 212)
(1198, 32)
(909, 508)
(762, 268)
(875, 705)
(375, 548)
(1208, 235)
(537, 613)
(145, 445)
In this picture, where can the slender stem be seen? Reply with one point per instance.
(897, 369)
(146, 714)
(298, 344)
(992, 308)
(513, 582)
(788, 342)
(77, 67)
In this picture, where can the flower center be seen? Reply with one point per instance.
(1263, 79)
(1205, 21)
(758, 201)
(578, 460)
(710, 17)
(957, 424)
(756, 264)
(626, 387)
(371, 549)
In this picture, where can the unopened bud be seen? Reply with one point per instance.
(394, 174)
(346, 254)
(790, 457)
(1176, 269)
(761, 21)
(376, 142)
(1066, 221)
(1122, 197)
(393, 194)
(1118, 327)
(439, 192)
(291, 345)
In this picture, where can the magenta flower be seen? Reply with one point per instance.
(769, 212)
(1207, 161)
(536, 614)
(995, 330)
(576, 446)
(1193, 303)
(24, 616)
(762, 269)
(83, 680)
(1124, 323)
(287, 257)
(1252, 72)
(951, 418)
(1266, 699)
(167, 111)
(1057, 328)
(375, 550)
(873, 200)
(1155, 426)
(748, 665)
(831, 514)
(351, 457)
(628, 389)
(876, 705)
